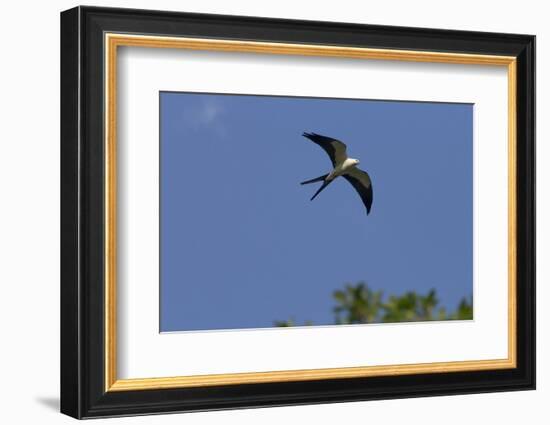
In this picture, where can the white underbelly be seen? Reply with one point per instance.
(342, 168)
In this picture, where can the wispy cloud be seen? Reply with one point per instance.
(210, 112)
(207, 114)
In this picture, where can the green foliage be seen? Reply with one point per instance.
(290, 322)
(465, 311)
(410, 307)
(360, 304)
(357, 304)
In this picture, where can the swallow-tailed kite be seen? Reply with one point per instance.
(342, 166)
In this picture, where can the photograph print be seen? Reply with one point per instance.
(280, 211)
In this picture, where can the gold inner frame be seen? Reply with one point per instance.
(113, 41)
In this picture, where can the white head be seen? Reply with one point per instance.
(355, 161)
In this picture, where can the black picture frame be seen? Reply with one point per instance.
(83, 392)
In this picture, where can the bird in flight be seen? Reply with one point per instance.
(342, 166)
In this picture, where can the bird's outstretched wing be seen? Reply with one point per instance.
(335, 149)
(360, 180)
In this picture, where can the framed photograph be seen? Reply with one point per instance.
(261, 212)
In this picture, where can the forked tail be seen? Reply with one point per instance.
(325, 184)
(316, 179)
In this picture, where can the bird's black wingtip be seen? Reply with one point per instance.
(309, 135)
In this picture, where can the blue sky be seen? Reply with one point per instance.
(242, 245)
